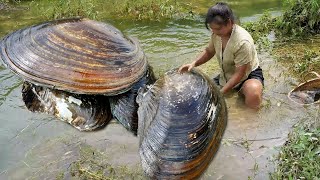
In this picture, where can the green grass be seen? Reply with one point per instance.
(94, 165)
(153, 9)
(259, 30)
(301, 56)
(300, 18)
(299, 158)
(59, 9)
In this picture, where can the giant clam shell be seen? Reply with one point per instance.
(182, 118)
(124, 107)
(76, 55)
(84, 112)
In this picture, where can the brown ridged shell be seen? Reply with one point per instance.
(182, 118)
(76, 55)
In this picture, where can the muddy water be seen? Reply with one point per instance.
(38, 146)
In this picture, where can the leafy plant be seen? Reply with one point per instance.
(153, 9)
(300, 156)
(308, 60)
(128, 9)
(260, 30)
(59, 9)
(300, 18)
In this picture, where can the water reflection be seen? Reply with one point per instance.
(8, 82)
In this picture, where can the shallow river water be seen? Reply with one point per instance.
(38, 146)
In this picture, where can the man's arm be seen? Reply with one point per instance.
(235, 78)
(205, 56)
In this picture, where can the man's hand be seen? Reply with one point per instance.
(222, 91)
(186, 67)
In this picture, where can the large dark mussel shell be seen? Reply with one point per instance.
(182, 118)
(76, 55)
(124, 106)
(84, 112)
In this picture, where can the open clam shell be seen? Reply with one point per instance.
(84, 112)
(76, 55)
(308, 92)
(182, 118)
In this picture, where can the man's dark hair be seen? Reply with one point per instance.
(219, 14)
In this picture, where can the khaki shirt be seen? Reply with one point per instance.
(239, 50)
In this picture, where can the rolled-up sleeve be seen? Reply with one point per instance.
(244, 54)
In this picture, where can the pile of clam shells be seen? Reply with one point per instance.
(85, 72)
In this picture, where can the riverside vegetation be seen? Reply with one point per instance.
(154, 10)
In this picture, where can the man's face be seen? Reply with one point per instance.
(220, 29)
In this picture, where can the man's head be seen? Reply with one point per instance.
(220, 19)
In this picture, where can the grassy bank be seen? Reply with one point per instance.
(300, 19)
(153, 10)
(296, 31)
(301, 56)
(299, 158)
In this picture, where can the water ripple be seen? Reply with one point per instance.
(168, 45)
(8, 82)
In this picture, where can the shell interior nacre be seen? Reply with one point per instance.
(84, 112)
